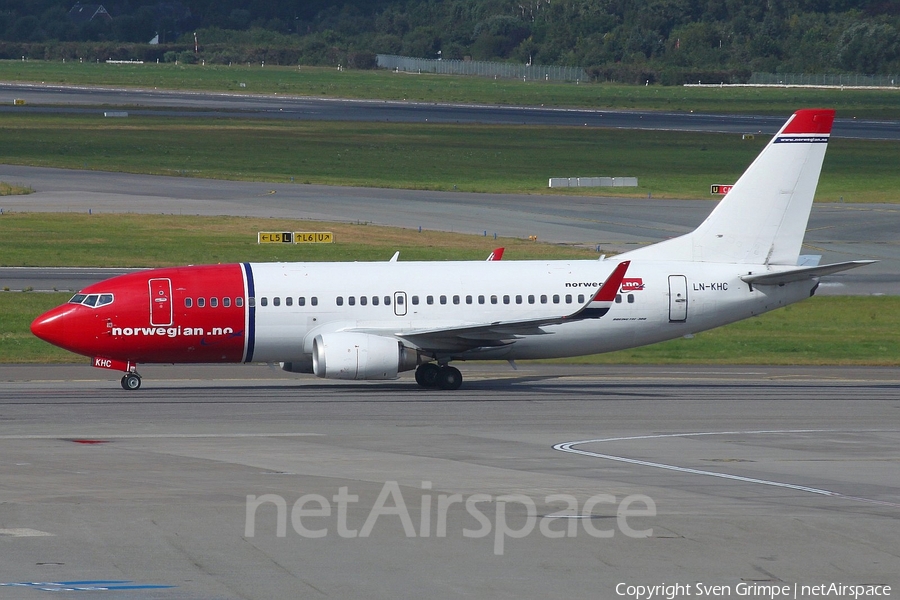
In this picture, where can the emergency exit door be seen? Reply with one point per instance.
(678, 298)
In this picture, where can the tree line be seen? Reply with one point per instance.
(626, 40)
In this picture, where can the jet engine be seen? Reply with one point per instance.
(344, 355)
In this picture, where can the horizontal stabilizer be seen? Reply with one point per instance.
(803, 273)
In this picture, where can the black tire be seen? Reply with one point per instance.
(131, 381)
(449, 378)
(427, 375)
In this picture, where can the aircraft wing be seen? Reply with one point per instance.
(802, 273)
(502, 333)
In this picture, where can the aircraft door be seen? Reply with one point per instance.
(678, 300)
(160, 302)
(400, 304)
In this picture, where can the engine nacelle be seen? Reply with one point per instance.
(344, 355)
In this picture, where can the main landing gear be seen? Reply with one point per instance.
(432, 375)
(131, 381)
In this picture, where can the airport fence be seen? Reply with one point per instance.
(847, 79)
(483, 68)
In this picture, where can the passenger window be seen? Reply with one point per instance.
(251, 302)
(618, 298)
(226, 301)
(530, 298)
(480, 299)
(340, 300)
(455, 299)
(363, 300)
(264, 301)
(239, 302)
(276, 301)
(506, 299)
(375, 300)
(630, 298)
(443, 299)
(568, 298)
(468, 299)
(289, 301)
(201, 302)
(188, 302)
(543, 299)
(301, 301)
(400, 300)
(429, 300)
(580, 298)
(493, 299)
(387, 300)
(214, 302)
(314, 301)
(518, 299)
(415, 301)
(351, 300)
(555, 298)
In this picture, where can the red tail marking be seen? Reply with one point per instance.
(811, 120)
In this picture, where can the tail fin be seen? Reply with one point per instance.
(763, 218)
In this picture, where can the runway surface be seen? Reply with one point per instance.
(836, 231)
(95, 100)
(744, 475)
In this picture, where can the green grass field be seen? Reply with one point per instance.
(472, 158)
(7, 189)
(311, 81)
(114, 240)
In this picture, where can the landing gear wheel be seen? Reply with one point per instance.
(131, 381)
(449, 378)
(427, 374)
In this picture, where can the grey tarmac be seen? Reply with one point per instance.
(772, 475)
(96, 100)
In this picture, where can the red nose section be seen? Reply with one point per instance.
(57, 327)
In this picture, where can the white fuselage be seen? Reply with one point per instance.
(659, 300)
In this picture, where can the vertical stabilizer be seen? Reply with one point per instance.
(763, 218)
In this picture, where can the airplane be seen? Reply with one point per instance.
(373, 320)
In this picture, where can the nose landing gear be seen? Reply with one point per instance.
(131, 381)
(431, 375)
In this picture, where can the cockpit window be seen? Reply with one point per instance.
(93, 300)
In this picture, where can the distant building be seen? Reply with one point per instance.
(85, 13)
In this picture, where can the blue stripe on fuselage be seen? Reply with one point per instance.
(251, 310)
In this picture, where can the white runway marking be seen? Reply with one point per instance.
(569, 447)
(24, 532)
